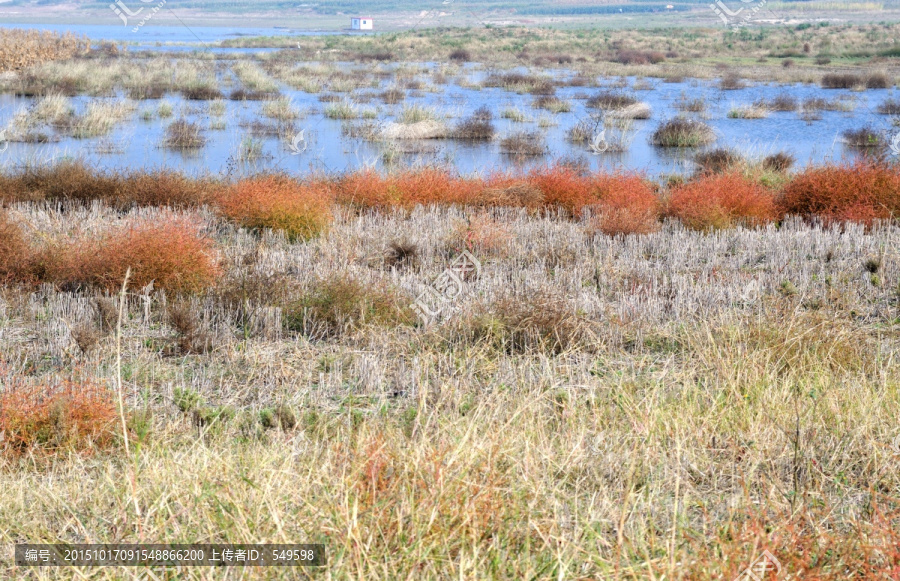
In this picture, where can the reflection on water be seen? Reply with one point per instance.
(137, 141)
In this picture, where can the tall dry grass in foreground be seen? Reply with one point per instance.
(669, 404)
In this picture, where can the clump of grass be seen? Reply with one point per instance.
(477, 127)
(889, 107)
(341, 110)
(461, 55)
(731, 82)
(610, 100)
(201, 92)
(717, 161)
(878, 81)
(541, 323)
(583, 131)
(15, 253)
(524, 144)
(513, 114)
(243, 94)
(299, 211)
(63, 417)
(521, 83)
(721, 201)
(862, 138)
(697, 105)
(393, 96)
(401, 254)
(184, 134)
(841, 81)
(863, 191)
(167, 251)
(552, 104)
(683, 132)
(483, 234)
(638, 57)
(416, 114)
(334, 306)
(250, 149)
(778, 162)
(780, 102)
(282, 109)
(748, 112)
(165, 110)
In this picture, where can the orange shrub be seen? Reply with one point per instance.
(433, 186)
(15, 253)
(64, 416)
(300, 211)
(563, 187)
(366, 189)
(628, 205)
(169, 252)
(859, 192)
(722, 201)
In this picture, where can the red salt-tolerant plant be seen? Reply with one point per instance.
(563, 187)
(16, 254)
(863, 191)
(627, 205)
(433, 186)
(301, 211)
(64, 415)
(168, 251)
(720, 201)
(365, 189)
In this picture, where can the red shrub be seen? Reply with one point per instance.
(64, 416)
(301, 211)
(563, 187)
(861, 192)
(433, 186)
(628, 205)
(169, 252)
(15, 253)
(722, 201)
(366, 189)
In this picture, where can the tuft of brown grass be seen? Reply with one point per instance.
(16, 255)
(334, 306)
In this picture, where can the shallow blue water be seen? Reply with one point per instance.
(137, 143)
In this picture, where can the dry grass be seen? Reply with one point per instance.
(20, 49)
(705, 395)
